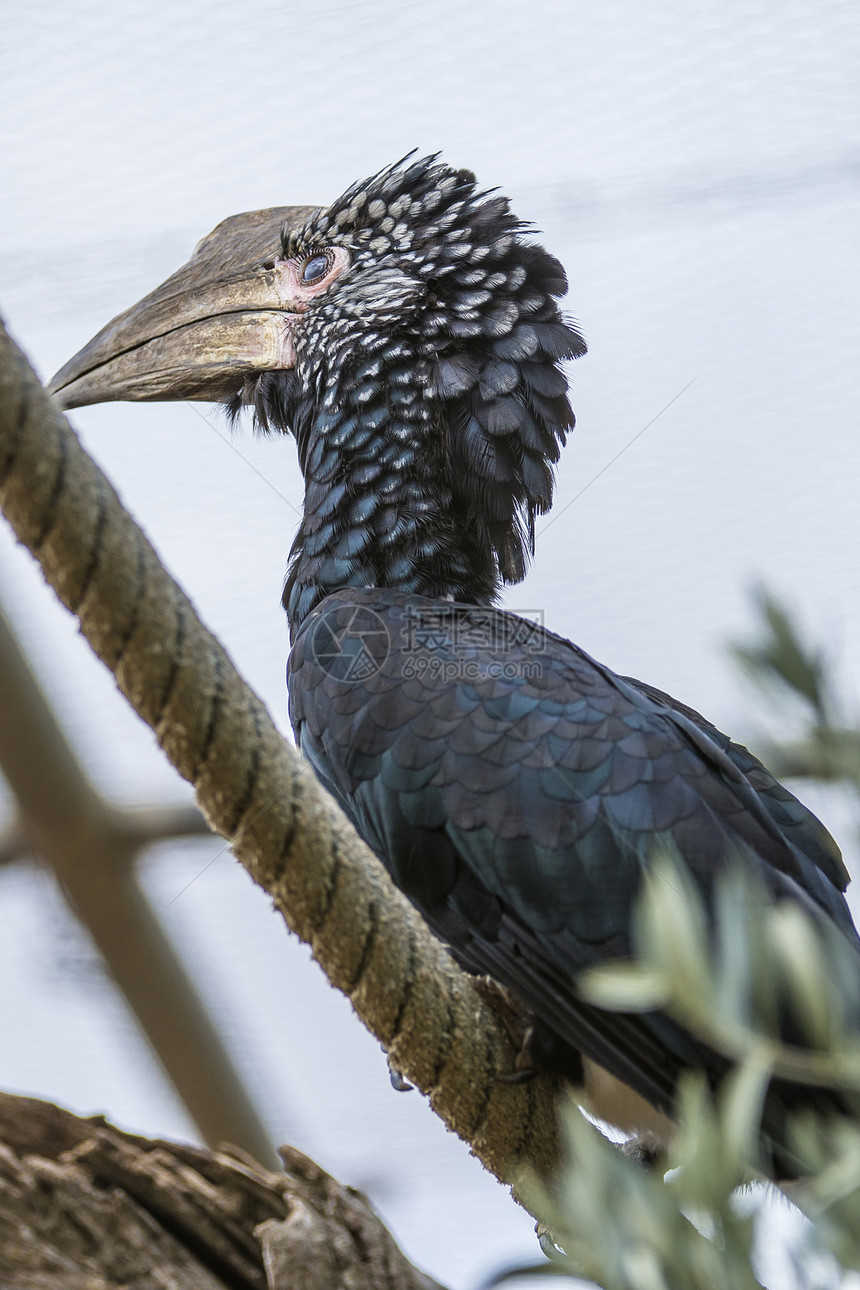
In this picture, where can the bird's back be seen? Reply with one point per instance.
(517, 790)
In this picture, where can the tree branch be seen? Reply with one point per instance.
(439, 1031)
(87, 1206)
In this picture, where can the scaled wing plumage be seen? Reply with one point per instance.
(517, 790)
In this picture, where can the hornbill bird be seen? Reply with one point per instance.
(409, 338)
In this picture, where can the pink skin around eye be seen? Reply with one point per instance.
(298, 295)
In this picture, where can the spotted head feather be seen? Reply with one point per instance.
(442, 332)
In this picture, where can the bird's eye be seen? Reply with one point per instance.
(315, 267)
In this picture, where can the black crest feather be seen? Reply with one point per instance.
(444, 332)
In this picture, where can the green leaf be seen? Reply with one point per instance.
(625, 987)
(740, 1105)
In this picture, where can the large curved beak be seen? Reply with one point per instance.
(225, 313)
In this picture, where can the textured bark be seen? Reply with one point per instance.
(439, 1031)
(85, 1206)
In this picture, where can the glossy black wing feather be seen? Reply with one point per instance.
(789, 815)
(514, 788)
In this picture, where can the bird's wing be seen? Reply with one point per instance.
(795, 820)
(515, 789)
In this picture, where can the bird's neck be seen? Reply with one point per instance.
(380, 508)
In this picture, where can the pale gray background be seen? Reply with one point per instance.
(697, 168)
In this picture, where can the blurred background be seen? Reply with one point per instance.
(696, 167)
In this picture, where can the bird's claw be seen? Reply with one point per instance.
(523, 1075)
(398, 1083)
(549, 1245)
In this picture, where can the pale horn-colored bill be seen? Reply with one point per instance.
(220, 316)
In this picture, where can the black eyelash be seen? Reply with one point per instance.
(323, 253)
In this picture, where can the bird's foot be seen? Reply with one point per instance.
(525, 1067)
(646, 1151)
(519, 1024)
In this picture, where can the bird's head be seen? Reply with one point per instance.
(410, 322)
